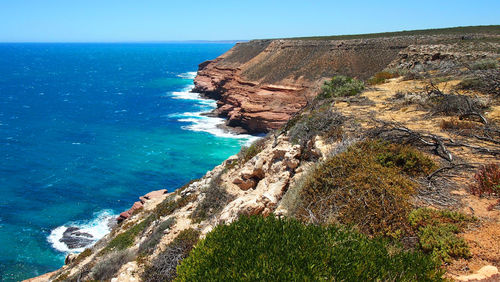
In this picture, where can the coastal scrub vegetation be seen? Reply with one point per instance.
(170, 204)
(148, 245)
(485, 81)
(347, 188)
(485, 64)
(216, 197)
(323, 122)
(487, 182)
(247, 153)
(83, 255)
(437, 232)
(341, 86)
(163, 267)
(110, 264)
(282, 249)
(381, 77)
(127, 238)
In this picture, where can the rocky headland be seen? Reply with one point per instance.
(260, 84)
(422, 101)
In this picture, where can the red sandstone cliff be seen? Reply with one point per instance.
(261, 83)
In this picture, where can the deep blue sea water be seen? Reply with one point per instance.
(87, 128)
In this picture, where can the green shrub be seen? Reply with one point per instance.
(83, 255)
(60, 277)
(341, 86)
(216, 197)
(271, 249)
(127, 238)
(364, 186)
(408, 159)
(163, 267)
(438, 230)
(169, 205)
(471, 83)
(381, 77)
(247, 153)
(485, 64)
(148, 245)
(425, 216)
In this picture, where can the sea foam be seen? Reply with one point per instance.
(98, 227)
(199, 121)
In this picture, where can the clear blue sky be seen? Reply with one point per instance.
(161, 20)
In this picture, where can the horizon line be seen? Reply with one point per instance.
(125, 42)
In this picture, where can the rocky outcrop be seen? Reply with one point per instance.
(140, 204)
(260, 84)
(74, 238)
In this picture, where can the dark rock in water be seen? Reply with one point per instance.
(74, 239)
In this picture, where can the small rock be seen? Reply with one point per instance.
(70, 258)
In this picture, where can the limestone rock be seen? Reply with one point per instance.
(70, 258)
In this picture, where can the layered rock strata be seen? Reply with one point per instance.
(260, 84)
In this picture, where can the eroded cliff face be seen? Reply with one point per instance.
(261, 83)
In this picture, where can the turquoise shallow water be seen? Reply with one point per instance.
(87, 128)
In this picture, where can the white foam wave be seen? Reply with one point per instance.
(98, 227)
(198, 121)
(188, 75)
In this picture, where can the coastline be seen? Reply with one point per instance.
(262, 185)
(84, 234)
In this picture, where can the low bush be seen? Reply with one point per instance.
(438, 231)
(170, 204)
(83, 255)
(163, 267)
(341, 86)
(148, 245)
(408, 159)
(270, 249)
(470, 83)
(322, 122)
(110, 264)
(485, 64)
(413, 75)
(485, 81)
(453, 124)
(486, 180)
(247, 153)
(216, 197)
(126, 239)
(453, 104)
(381, 77)
(348, 188)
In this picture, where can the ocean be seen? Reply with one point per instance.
(85, 129)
